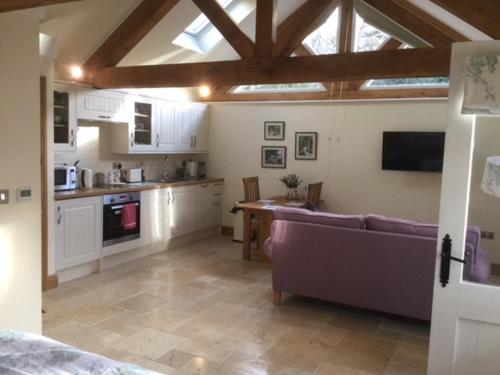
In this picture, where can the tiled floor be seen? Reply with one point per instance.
(201, 310)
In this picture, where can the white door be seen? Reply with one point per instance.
(152, 229)
(465, 327)
(165, 127)
(78, 232)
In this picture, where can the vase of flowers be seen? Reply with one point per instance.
(292, 182)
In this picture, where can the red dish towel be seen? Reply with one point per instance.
(129, 216)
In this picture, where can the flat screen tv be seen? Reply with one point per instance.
(413, 151)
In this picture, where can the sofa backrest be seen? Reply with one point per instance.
(323, 218)
(401, 226)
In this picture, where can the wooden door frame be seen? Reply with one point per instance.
(48, 281)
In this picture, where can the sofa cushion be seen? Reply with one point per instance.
(322, 218)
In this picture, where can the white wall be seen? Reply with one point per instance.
(483, 208)
(20, 223)
(349, 153)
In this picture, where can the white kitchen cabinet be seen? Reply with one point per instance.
(183, 205)
(64, 118)
(78, 231)
(199, 118)
(101, 105)
(155, 223)
(165, 125)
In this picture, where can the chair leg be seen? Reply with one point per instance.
(277, 297)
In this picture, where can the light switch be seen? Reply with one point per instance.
(4, 196)
(24, 194)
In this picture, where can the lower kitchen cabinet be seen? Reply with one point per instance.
(78, 231)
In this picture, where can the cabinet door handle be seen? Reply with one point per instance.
(173, 197)
(204, 186)
(59, 215)
(157, 139)
(132, 139)
(168, 202)
(105, 117)
(195, 141)
(72, 142)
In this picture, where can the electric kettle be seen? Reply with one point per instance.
(86, 178)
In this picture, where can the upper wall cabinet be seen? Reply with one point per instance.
(101, 105)
(64, 117)
(160, 126)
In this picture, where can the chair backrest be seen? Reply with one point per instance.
(251, 189)
(314, 193)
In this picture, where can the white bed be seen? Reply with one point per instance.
(27, 353)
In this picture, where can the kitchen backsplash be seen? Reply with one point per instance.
(93, 141)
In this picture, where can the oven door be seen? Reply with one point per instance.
(113, 230)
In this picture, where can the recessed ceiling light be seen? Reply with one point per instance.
(76, 72)
(204, 91)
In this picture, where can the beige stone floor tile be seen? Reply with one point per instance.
(259, 366)
(94, 313)
(83, 336)
(199, 366)
(409, 359)
(408, 327)
(141, 303)
(176, 276)
(148, 364)
(176, 358)
(149, 343)
(293, 318)
(262, 332)
(125, 323)
(305, 350)
(330, 369)
(363, 352)
(65, 292)
(165, 322)
(355, 321)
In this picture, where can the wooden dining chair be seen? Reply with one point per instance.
(314, 193)
(251, 189)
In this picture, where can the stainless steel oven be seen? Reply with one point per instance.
(121, 218)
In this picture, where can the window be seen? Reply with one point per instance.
(367, 37)
(201, 36)
(324, 40)
(202, 21)
(432, 82)
(286, 87)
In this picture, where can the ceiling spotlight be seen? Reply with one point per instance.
(76, 72)
(204, 91)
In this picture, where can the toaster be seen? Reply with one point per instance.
(133, 174)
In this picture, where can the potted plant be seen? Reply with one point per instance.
(292, 182)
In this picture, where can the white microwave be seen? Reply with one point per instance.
(65, 178)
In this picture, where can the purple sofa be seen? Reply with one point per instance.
(372, 262)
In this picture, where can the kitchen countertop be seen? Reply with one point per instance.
(137, 186)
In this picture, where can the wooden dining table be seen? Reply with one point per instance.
(263, 210)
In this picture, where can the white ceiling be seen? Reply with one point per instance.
(80, 28)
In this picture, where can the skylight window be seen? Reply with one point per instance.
(286, 87)
(202, 21)
(201, 36)
(324, 40)
(398, 83)
(367, 37)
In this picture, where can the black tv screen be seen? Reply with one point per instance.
(413, 151)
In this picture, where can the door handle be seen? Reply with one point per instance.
(72, 138)
(59, 215)
(132, 139)
(157, 139)
(446, 258)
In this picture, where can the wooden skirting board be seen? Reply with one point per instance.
(52, 282)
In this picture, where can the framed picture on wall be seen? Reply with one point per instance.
(306, 146)
(274, 130)
(273, 157)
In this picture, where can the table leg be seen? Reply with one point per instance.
(266, 218)
(247, 234)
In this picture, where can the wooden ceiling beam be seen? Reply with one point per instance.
(265, 28)
(227, 27)
(484, 15)
(304, 51)
(331, 95)
(346, 26)
(419, 62)
(293, 30)
(135, 27)
(10, 5)
(418, 22)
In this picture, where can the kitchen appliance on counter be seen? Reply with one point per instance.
(121, 218)
(202, 169)
(65, 178)
(86, 176)
(132, 175)
(191, 168)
